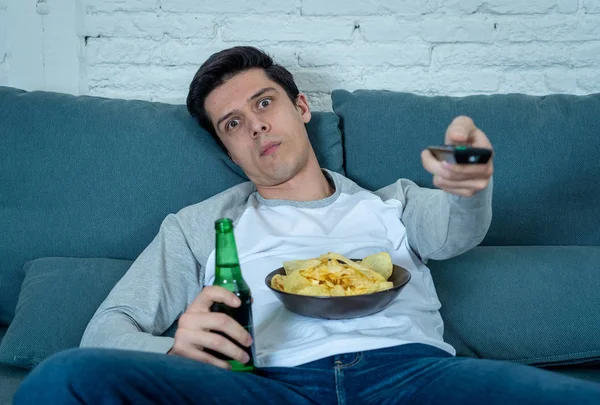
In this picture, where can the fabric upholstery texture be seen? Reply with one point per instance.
(58, 298)
(546, 187)
(94, 177)
(529, 304)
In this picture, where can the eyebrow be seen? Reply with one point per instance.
(253, 97)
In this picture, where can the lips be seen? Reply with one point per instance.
(269, 148)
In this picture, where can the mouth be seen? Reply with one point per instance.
(270, 148)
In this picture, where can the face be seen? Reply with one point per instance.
(262, 129)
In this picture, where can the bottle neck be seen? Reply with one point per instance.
(226, 250)
(227, 263)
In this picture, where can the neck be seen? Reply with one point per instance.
(309, 184)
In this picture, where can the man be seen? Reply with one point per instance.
(292, 209)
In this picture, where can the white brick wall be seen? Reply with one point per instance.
(3, 43)
(150, 49)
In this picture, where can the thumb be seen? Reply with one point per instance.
(461, 131)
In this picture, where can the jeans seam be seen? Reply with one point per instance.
(339, 385)
(354, 362)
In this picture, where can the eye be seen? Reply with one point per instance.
(231, 124)
(264, 103)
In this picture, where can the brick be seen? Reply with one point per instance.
(414, 80)
(524, 81)
(149, 25)
(561, 80)
(555, 28)
(230, 7)
(586, 55)
(3, 32)
(591, 6)
(433, 29)
(587, 81)
(141, 78)
(326, 80)
(319, 101)
(529, 55)
(280, 29)
(156, 95)
(464, 82)
(510, 6)
(422, 81)
(92, 6)
(119, 50)
(365, 55)
(171, 52)
(550, 80)
(368, 7)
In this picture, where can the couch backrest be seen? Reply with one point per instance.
(94, 177)
(547, 165)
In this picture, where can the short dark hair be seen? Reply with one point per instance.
(223, 65)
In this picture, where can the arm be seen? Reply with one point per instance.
(444, 223)
(440, 225)
(154, 292)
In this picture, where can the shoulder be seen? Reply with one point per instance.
(402, 190)
(230, 203)
(397, 190)
(345, 185)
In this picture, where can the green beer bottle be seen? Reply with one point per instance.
(229, 276)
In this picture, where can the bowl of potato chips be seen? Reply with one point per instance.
(332, 286)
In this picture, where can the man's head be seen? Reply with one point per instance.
(253, 109)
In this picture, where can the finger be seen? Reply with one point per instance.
(459, 172)
(480, 140)
(194, 353)
(461, 131)
(217, 322)
(430, 162)
(201, 339)
(211, 294)
(475, 185)
(218, 343)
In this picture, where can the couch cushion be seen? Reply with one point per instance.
(546, 187)
(10, 378)
(529, 304)
(590, 373)
(58, 298)
(93, 177)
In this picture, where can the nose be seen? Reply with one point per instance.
(259, 126)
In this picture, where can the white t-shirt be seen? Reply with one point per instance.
(411, 223)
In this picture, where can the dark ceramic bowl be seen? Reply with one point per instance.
(353, 306)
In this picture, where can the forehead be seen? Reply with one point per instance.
(236, 91)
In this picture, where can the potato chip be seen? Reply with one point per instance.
(315, 290)
(294, 265)
(332, 274)
(338, 291)
(386, 285)
(341, 258)
(277, 282)
(295, 282)
(380, 262)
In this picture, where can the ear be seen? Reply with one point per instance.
(302, 105)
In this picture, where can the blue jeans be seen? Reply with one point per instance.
(408, 374)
